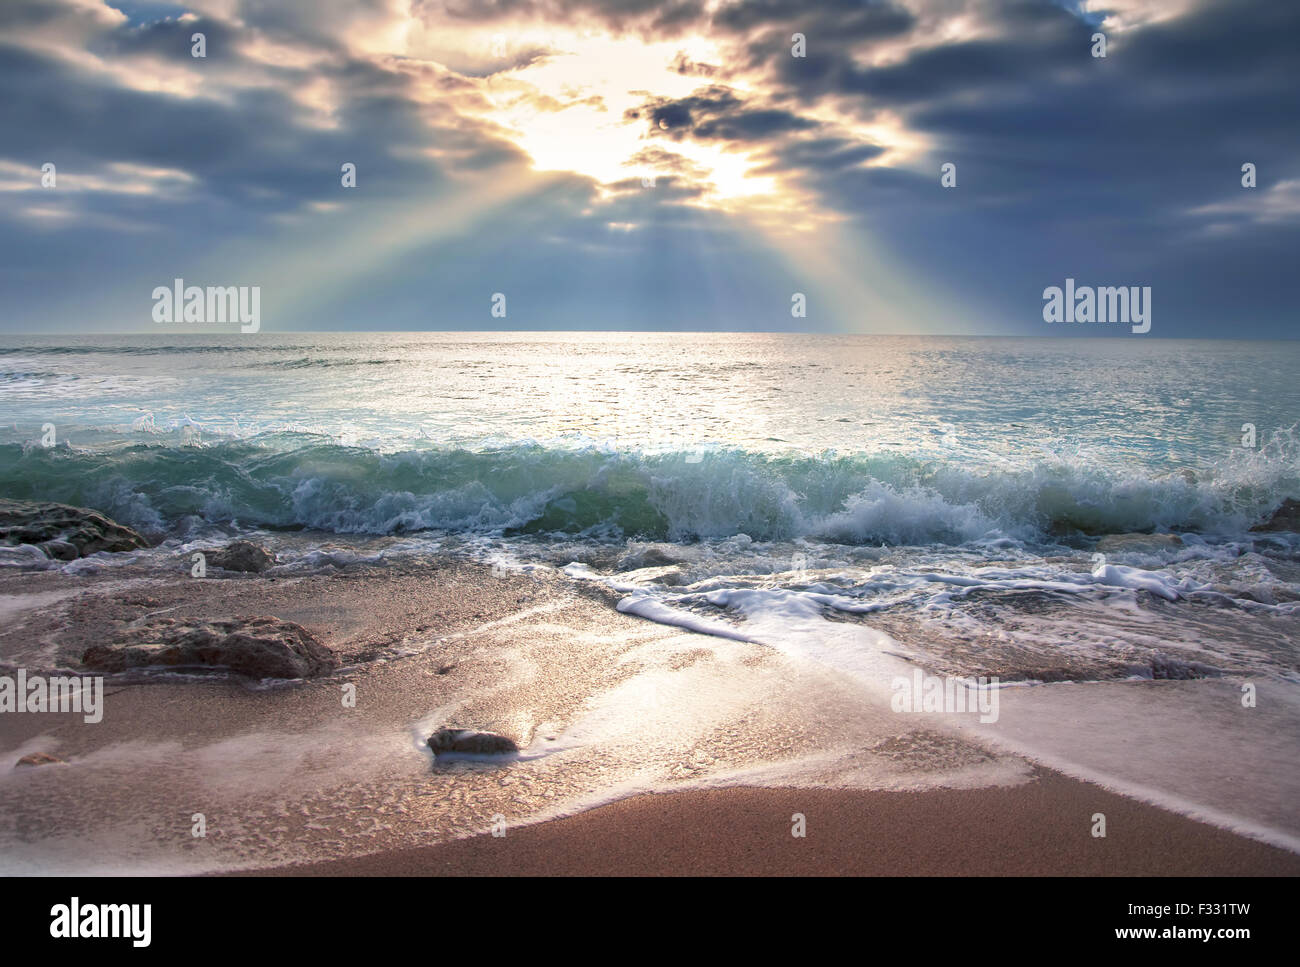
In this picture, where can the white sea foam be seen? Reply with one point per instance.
(935, 521)
(1208, 762)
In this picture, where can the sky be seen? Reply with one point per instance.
(671, 165)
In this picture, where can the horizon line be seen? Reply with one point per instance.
(676, 332)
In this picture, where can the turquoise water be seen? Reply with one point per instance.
(656, 436)
(960, 483)
(865, 506)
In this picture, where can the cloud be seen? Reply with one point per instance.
(717, 113)
(1066, 164)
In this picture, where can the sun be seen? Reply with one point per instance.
(566, 109)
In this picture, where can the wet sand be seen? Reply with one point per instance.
(1040, 829)
(293, 782)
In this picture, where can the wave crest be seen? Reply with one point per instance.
(294, 480)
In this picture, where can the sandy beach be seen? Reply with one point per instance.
(643, 748)
(1040, 829)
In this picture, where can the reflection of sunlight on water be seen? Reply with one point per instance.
(1102, 401)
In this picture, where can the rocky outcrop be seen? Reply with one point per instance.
(1285, 518)
(63, 532)
(470, 742)
(1138, 543)
(241, 556)
(262, 647)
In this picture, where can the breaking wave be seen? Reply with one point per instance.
(305, 481)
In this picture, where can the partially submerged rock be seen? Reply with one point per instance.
(1138, 543)
(62, 531)
(261, 647)
(242, 556)
(25, 556)
(470, 742)
(60, 550)
(1285, 518)
(645, 557)
(38, 759)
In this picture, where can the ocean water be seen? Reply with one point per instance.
(861, 440)
(882, 480)
(865, 505)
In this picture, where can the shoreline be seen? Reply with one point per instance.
(1042, 828)
(332, 775)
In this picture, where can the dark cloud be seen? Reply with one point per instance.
(684, 65)
(1123, 169)
(170, 40)
(255, 148)
(716, 113)
(820, 154)
(645, 17)
(848, 19)
(1068, 163)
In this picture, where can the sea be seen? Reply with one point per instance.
(1048, 514)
